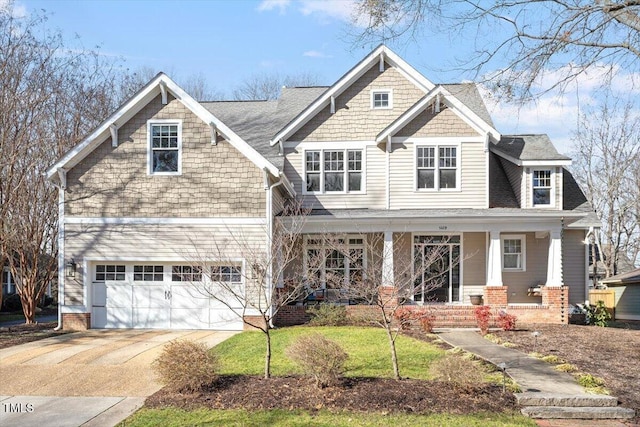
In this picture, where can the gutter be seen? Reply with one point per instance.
(269, 212)
(62, 174)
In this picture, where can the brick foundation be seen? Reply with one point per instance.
(291, 315)
(76, 321)
(496, 295)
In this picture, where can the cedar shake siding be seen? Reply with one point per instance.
(216, 180)
(354, 120)
(442, 124)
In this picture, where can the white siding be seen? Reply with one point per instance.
(473, 178)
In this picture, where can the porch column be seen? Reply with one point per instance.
(494, 260)
(554, 263)
(387, 259)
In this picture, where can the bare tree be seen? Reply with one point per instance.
(50, 97)
(422, 274)
(259, 290)
(534, 38)
(607, 144)
(268, 86)
(195, 84)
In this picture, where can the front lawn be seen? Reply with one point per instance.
(368, 396)
(368, 349)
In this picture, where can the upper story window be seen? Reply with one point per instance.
(333, 171)
(542, 187)
(514, 252)
(437, 167)
(165, 147)
(381, 99)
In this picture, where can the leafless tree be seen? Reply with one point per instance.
(51, 96)
(420, 272)
(262, 291)
(607, 144)
(268, 86)
(526, 40)
(194, 84)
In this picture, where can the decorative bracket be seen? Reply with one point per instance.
(333, 104)
(114, 135)
(214, 133)
(163, 92)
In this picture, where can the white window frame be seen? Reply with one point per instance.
(345, 171)
(230, 266)
(163, 122)
(460, 235)
(11, 286)
(436, 174)
(106, 273)
(552, 188)
(523, 253)
(323, 246)
(388, 92)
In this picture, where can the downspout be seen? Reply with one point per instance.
(61, 187)
(269, 196)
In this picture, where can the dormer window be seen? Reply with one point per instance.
(165, 147)
(381, 99)
(542, 187)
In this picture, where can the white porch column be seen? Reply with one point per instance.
(494, 260)
(554, 264)
(387, 259)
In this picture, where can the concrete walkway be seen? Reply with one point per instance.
(92, 378)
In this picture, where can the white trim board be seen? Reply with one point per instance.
(167, 221)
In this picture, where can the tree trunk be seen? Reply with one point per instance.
(28, 309)
(267, 356)
(394, 356)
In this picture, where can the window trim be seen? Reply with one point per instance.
(436, 178)
(150, 124)
(552, 190)
(374, 92)
(345, 170)
(11, 284)
(460, 235)
(229, 265)
(324, 246)
(105, 273)
(523, 253)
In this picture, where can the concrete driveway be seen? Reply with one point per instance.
(111, 365)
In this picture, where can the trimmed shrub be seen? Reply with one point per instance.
(186, 366)
(506, 321)
(12, 303)
(459, 371)
(483, 317)
(598, 314)
(318, 357)
(327, 315)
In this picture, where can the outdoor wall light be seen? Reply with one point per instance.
(71, 268)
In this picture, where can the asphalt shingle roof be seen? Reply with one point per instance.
(529, 147)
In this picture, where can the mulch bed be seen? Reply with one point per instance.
(20, 334)
(380, 395)
(612, 354)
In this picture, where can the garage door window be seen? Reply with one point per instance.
(186, 273)
(109, 272)
(148, 273)
(226, 273)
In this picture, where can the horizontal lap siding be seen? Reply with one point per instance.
(375, 176)
(474, 264)
(216, 180)
(472, 173)
(537, 254)
(161, 242)
(573, 270)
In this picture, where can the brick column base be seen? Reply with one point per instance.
(557, 299)
(496, 295)
(76, 321)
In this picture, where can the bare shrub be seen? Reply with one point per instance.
(186, 366)
(327, 315)
(458, 371)
(319, 357)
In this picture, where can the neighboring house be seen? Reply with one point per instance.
(627, 294)
(383, 150)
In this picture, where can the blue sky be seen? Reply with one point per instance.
(229, 41)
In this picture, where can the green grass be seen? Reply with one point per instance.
(283, 418)
(368, 350)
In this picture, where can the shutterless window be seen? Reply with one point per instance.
(109, 272)
(426, 167)
(333, 170)
(313, 170)
(513, 253)
(226, 273)
(436, 167)
(148, 273)
(186, 273)
(381, 99)
(542, 187)
(448, 165)
(165, 150)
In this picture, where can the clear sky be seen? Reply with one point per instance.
(229, 41)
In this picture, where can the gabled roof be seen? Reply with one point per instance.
(624, 278)
(529, 150)
(379, 54)
(439, 93)
(134, 105)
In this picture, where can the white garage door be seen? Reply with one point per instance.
(161, 296)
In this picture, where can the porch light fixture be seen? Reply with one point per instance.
(71, 268)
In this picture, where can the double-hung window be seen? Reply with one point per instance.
(542, 187)
(165, 147)
(513, 252)
(437, 167)
(333, 171)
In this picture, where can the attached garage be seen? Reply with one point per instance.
(165, 296)
(627, 294)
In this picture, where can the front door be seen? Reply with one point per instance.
(437, 268)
